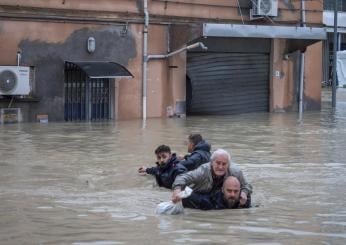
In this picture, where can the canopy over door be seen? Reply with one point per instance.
(103, 69)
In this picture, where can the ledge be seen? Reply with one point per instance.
(19, 100)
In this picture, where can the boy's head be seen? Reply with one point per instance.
(194, 139)
(163, 154)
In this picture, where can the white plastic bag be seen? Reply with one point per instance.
(173, 208)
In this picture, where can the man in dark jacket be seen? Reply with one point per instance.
(200, 152)
(167, 167)
(228, 198)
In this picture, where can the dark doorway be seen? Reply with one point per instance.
(85, 98)
(188, 95)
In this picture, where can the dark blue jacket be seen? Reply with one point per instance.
(165, 175)
(201, 154)
(211, 201)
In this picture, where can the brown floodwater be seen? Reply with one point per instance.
(77, 183)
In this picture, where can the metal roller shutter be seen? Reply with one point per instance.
(227, 83)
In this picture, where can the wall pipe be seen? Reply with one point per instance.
(19, 57)
(334, 53)
(303, 13)
(145, 59)
(302, 67)
(192, 46)
(301, 85)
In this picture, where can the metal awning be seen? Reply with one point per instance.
(263, 31)
(99, 69)
(298, 37)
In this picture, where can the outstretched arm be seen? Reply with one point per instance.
(142, 170)
(185, 179)
(152, 171)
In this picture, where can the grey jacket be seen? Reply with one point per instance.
(201, 179)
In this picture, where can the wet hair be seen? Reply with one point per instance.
(162, 148)
(195, 138)
(220, 152)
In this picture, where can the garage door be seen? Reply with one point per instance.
(221, 83)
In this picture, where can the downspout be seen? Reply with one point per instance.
(145, 59)
(301, 85)
(303, 13)
(302, 67)
(335, 37)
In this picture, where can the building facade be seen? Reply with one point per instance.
(128, 59)
(328, 21)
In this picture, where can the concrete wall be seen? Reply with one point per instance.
(177, 80)
(182, 11)
(46, 46)
(129, 102)
(313, 77)
(285, 78)
(52, 31)
(279, 84)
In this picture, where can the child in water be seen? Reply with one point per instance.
(167, 168)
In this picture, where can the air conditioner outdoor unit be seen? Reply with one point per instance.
(264, 8)
(14, 80)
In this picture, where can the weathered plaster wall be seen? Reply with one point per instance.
(157, 89)
(285, 88)
(129, 104)
(289, 11)
(279, 99)
(157, 79)
(177, 79)
(313, 77)
(46, 46)
(99, 5)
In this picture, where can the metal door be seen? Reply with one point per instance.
(227, 83)
(85, 99)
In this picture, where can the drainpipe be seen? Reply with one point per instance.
(302, 67)
(335, 37)
(164, 56)
(145, 58)
(301, 85)
(303, 18)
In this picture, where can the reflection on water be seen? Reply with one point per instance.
(77, 183)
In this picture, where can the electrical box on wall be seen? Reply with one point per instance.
(10, 115)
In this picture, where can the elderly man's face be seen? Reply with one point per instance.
(231, 191)
(220, 165)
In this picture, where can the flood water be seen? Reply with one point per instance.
(77, 183)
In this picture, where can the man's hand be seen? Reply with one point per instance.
(243, 198)
(180, 157)
(175, 196)
(142, 170)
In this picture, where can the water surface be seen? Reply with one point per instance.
(77, 183)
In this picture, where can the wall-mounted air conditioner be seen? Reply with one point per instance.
(14, 80)
(264, 8)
